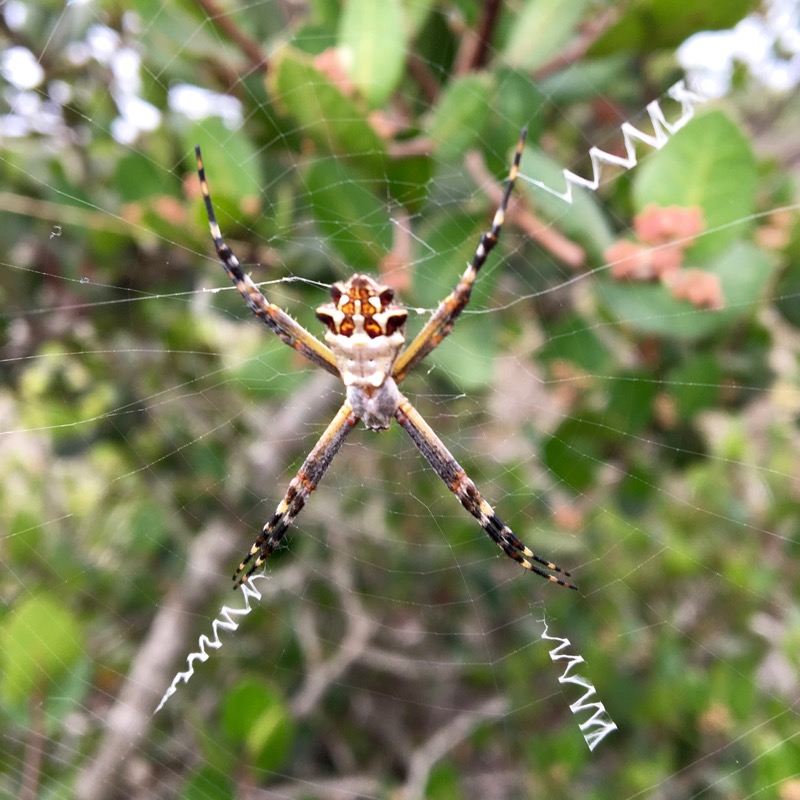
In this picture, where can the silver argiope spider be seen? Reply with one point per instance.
(365, 338)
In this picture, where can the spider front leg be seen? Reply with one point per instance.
(442, 320)
(277, 320)
(461, 485)
(306, 480)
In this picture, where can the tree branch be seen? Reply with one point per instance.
(425, 757)
(131, 716)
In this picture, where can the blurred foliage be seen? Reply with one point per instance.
(633, 418)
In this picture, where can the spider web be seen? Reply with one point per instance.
(151, 426)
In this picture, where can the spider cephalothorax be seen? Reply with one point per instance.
(366, 331)
(365, 348)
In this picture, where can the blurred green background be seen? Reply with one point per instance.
(623, 390)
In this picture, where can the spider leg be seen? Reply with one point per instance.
(461, 485)
(301, 486)
(441, 322)
(277, 320)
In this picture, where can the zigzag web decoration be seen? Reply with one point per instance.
(600, 720)
(662, 130)
(225, 622)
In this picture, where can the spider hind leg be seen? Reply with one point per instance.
(462, 486)
(271, 535)
(508, 541)
(304, 482)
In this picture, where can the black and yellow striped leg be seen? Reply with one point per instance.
(306, 480)
(449, 470)
(277, 320)
(442, 320)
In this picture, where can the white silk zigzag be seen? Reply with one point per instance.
(600, 721)
(224, 622)
(662, 130)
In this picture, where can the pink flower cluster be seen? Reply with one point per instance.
(657, 253)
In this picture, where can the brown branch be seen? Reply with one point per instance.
(486, 26)
(34, 750)
(321, 675)
(130, 717)
(425, 757)
(576, 50)
(475, 43)
(348, 788)
(64, 214)
(249, 46)
(418, 146)
(424, 78)
(408, 668)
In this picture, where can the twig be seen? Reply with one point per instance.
(567, 251)
(34, 750)
(80, 216)
(359, 631)
(591, 32)
(249, 46)
(425, 79)
(131, 716)
(425, 757)
(349, 788)
(475, 43)
(409, 668)
(491, 10)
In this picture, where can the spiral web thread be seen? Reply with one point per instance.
(600, 720)
(662, 130)
(224, 621)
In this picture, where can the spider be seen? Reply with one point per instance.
(365, 349)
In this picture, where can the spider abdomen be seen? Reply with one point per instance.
(374, 406)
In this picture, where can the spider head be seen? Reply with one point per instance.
(361, 305)
(366, 330)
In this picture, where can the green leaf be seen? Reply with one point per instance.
(540, 31)
(271, 371)
(574, 452)
(416, 13)
(354, 221)
(653, 24)
(585, 80)
(630, 401)
(519, 102)
(451, 241)
(208, 784)
(569, 339)
(744, 272)
(139, 177)
(257, 716)
(787, 293)
(325, 13)
(375, 49)
(409, 178)
(444, 783)
(329, 117)
(695, 385)
(461, 114)
(709, 164)
(466, 357)
(25, 535)
(41, 640)
(232, 165)
(147, 528)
